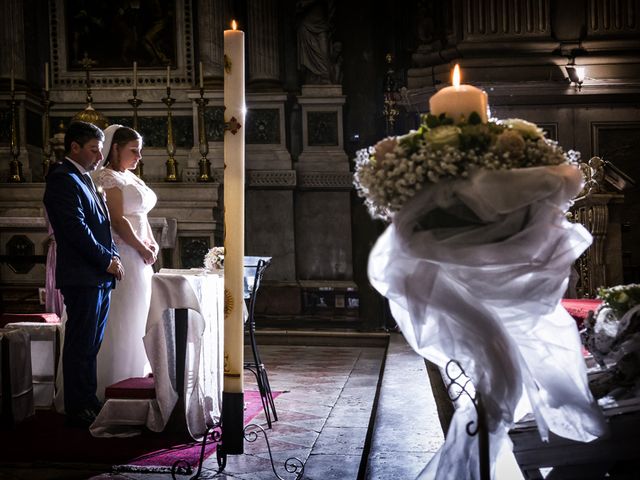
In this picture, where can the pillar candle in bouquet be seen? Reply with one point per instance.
(459, 101)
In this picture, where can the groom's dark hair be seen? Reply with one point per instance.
(81, 133)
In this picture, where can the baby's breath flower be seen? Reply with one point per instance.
(390, 173)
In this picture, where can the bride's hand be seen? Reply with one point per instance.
(148, 255)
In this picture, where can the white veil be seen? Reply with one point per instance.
(108, 140)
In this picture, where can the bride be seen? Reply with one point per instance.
(129, 200)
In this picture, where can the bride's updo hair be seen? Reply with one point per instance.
(121, 137)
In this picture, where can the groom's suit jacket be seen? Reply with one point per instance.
(81, 225)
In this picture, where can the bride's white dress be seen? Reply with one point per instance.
(122, 354)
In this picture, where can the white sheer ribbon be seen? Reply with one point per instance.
(474, 270)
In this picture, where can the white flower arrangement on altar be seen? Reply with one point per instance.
(214, 259)
(396, 168)
(612, 336)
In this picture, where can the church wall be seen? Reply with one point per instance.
(518, 52)
(269, 218)
(303, 128)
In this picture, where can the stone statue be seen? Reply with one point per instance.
(314, 40)
(336, 63)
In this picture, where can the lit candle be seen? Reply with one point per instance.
(234, 145)
(168, 76)
(459, 101)
(201, 77)
(135, 74)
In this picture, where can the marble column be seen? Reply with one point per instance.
(213, 17)
(263, 40)
(12, 39)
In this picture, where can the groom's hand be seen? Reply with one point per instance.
(115, 268)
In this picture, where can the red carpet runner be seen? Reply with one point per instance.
(45, 438)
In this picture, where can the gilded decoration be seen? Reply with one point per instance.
(228, 303)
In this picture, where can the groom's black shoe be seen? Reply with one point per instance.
(81, 419)
(96, 406)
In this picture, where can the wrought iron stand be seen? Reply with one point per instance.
(461, 385)
(292, 465)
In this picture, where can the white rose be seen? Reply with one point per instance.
(443, 135)
(527, 129)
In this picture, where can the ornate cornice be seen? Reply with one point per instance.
(282, 179)
(325, 180)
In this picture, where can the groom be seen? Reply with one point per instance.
(87, 265)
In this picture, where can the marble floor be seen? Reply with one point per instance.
(337, 414)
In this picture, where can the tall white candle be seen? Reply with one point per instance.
(234, 145)
(135, 74)
(201, 76)
(46, 76)
(168, 76)
(459, 101)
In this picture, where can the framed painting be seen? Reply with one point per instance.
(111, 35)
(114, 34)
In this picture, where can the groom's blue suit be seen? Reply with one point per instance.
(85, 249)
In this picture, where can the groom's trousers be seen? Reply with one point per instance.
(87, 310)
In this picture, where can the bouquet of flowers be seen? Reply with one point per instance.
(214, 259)
(478, 252)
(396, 168)
(612, 336)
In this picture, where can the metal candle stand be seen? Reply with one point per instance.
(461, 382)
(47, 149)
(15, 166)
(204, 164)
(135, 102)
(292, 465)
(172, 164)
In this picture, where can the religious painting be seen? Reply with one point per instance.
(115, 33)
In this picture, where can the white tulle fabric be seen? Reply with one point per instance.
(108, 140)
(474, 270)
(122, 354)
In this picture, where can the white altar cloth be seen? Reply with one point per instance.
(203, 294)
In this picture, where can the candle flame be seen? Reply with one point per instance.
(456, 76)
(234, 25)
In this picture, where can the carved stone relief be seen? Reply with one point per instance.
(263, 126)
(192, 251)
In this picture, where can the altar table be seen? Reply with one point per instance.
(581, 460)
(203, 295)
(579, 308)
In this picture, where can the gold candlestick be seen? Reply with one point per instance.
(389, 109)
(47, 149)
(172, 164)
(135, 102)
(90, 114)
(15, 166)
(204, 164)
